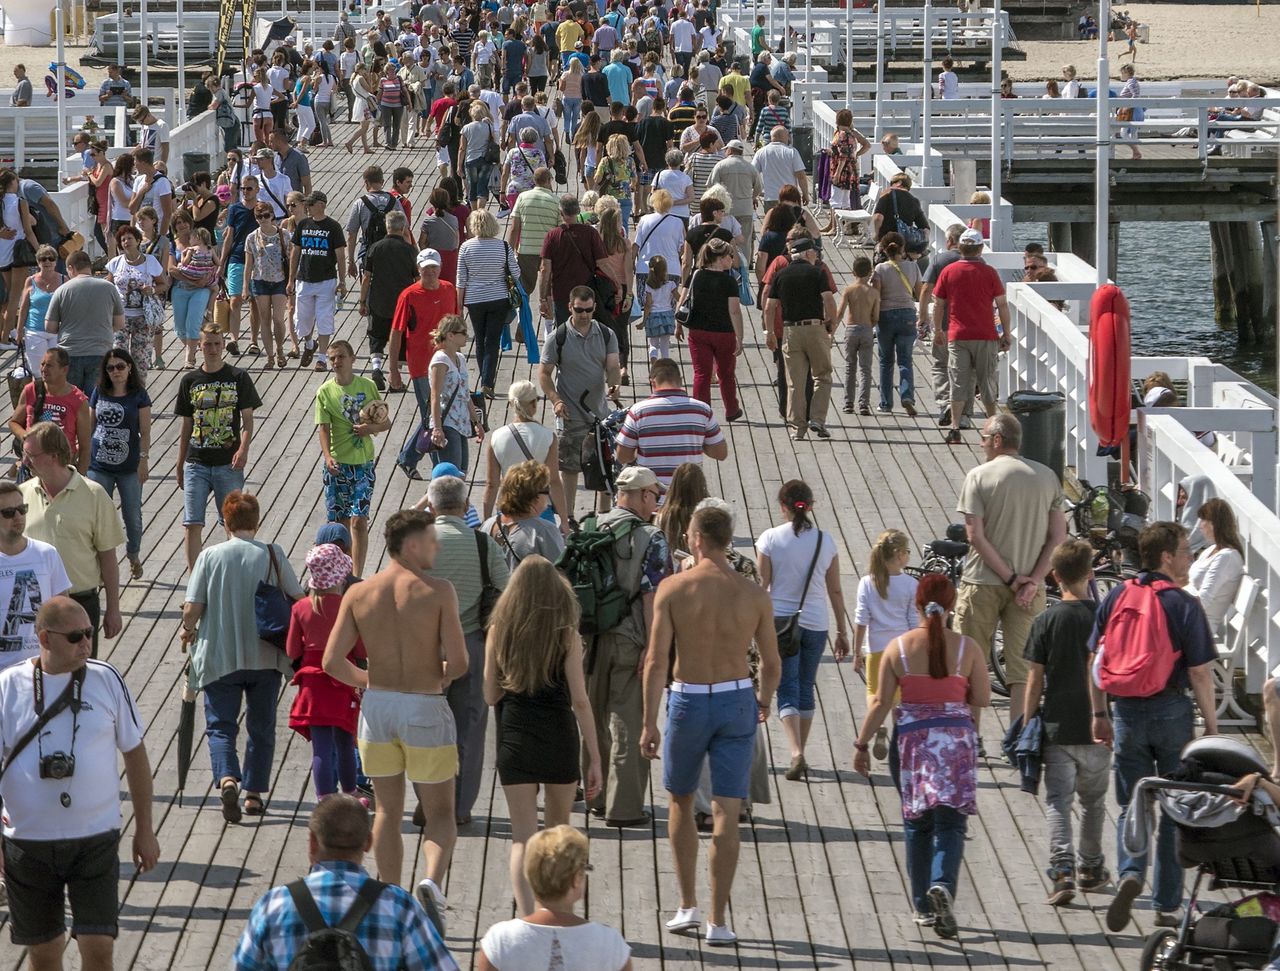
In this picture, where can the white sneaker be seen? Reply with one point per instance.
(434, 903)
(717, 935)
(686, 918)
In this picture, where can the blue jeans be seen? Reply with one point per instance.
(83, 372)
(478, 180)
(935, 848)
(189, 306)
(487, 321)
(1149, 736)
(130, 504)
(221, 711)
(455, 447)
(896, 335)
(200, 480)
(572, 115)
(799, 673)
(625, 203)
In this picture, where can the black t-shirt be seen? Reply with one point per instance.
(611, 128)
(213, 402)
(799, 287)
(318, 245)
(595, 88)
(653, 134)
(392, 263)
(697, 237)
(908, 211)
(1059, 640)
(712, 290)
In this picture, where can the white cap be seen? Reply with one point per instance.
(736, 145)
(428, 257)
(972, 237)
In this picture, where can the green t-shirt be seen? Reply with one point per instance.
(757, 40)
(339, 408)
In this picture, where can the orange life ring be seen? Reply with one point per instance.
(1110, 359)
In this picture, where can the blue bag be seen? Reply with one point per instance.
(271, 606)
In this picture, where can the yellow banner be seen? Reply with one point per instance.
(226, 16)
(247, 15)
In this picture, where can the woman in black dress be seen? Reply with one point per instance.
(533, 675)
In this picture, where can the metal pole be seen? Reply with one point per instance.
(879, 67)
(312, 35)
(120, 33)
(181, 107)
(997, 132)
(848, 59)
(61, 80)
(1102, 172)
(143, 51)
(786, 27)
(772, 37)
(927, 108)
(808, 35)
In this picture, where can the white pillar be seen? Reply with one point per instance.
(1102, 171)
(879, 66)
(998, 233)
(808, 34)
(180, 109)
(927, 106)
(786, 27)
(120, 32)
(61, 80)
(848, 59)
(143, 48)
(312, 35)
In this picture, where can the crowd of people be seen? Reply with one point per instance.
(605, 632)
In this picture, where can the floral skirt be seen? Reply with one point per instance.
(937, 752)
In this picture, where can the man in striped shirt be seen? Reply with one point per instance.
(669, 428)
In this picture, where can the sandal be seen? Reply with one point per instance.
(231, 801)
(255, 350)
(253, 805)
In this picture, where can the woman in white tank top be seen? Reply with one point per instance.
(524, 440)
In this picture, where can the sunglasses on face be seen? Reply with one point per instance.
(75, 636)
(118, 366)
(11, 511)
(583, 310)
(46, 259)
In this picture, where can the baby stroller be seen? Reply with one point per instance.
(1231, 847)
(599, 466)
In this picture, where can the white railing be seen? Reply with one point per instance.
(32, 132)
(199, 37)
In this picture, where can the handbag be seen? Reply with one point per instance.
(685, 310)
(153, 310)
(24, 254)
(912, 235)
(272, 606)
(423, 442)
(788, 628)
(515, 292)
(491, 154)
(489, 594)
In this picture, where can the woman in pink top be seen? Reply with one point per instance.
(943, 677)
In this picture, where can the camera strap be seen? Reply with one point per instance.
(69, 697)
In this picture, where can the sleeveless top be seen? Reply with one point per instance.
(925, 690)
(38, 306)
(537, 439)
(844, 165)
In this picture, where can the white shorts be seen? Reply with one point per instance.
(442, 156)
(315, 307)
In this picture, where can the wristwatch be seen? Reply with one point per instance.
(1102, 714)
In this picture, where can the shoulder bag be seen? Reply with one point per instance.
(788, 628)
(605, 289)
(515, 292)
(685, 310)
(489, 594)
(519, 440)
(912, 234)
(271, 605)
(423, 443)
(492, 156)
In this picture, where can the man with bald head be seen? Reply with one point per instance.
(60, 791)
(394, 932)
(780, 164)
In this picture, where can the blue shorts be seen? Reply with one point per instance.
(348, 493)
(646, 178)
(721, 727)
(264, 288)
(199, 481)
(235, 279)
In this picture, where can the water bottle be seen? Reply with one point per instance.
(1100, 508)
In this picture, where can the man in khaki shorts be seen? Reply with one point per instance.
(709, 614)
(412, 633)
(1012, 508)
(963, 297)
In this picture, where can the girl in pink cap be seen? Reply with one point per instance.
(325, 711)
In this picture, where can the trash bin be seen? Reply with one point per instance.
(802, 142)
(193, 162)
(1043, 417)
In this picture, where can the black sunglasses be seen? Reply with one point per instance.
(12, 511)
(584, 310)
(75, 636)
(118, 366)
(46, 259)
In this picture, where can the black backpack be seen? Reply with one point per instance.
(377, 226)
(333, 947)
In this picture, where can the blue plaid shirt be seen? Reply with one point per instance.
(396, 932)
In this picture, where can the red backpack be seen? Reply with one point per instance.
(1135, 657)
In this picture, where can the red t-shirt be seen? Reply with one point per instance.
(61, 409)
(969, 287)
(572, 259)
(418, 311)
(438, 110)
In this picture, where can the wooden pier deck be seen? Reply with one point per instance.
(821, 882)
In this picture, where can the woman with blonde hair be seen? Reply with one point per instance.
(886, 608)
(658, 233)
(570, 86)
(485, 264)
(453, 416)
(534, 677)
(518, 527)
(472, 150)
(525, 439)
(615, 176)
(980, 223)
(365, 111)
(555, 869)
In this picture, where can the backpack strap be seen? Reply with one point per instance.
(306, 906)
(366, 897)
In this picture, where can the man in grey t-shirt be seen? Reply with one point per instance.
(85, 312)
(942, 348)
(21, 97)
(579, 358)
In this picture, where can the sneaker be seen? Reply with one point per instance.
(910, 408)
(433, 903)
(1121, 908)
(717, 935)
(379, 379)
(1064, 887)
(686, 918)
(864, 410)
(821, 431)
(944, 418)
(1092, 877)
(953, 437)
(233, 348)
(848, 408)
(982, 748)
(880, 747)
(1168, 918)
(944, 920)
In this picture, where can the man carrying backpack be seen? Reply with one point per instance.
(367, 219)
(623, 577)
(1151, 643)
(338, 916)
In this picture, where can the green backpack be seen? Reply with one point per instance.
(587, 562)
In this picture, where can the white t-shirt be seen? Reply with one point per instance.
(537, 439)
(677, 182)
(682, 35)
(117, 211)
(710, 38)
(27, 580)
(789, 557)
(160, 188)
(108, 722)
(886, 617)
(659, 235)
(516, 945)
(347, 62)
(278, 78)
(280, 187)
(262, 97)
(948, 85)
(777, 164)
(485, 53)
(131, 280)
(153, 136)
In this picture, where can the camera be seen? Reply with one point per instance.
(58, 765)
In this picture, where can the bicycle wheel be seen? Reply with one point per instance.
(995, 664)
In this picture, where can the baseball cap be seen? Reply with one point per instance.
(441, 469)
(801, 245)
(428, 257)
(636, 477)
(736, 145)
(264, 153)
(334, 533)
(971, 237)
(317, 196)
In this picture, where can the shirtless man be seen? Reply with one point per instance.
(412, 633)
(711, 710)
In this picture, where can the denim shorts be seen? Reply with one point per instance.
(267, 288)
(348, 493)
(720, 727)
(42, 874)
(235, 279)
(201, 480)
